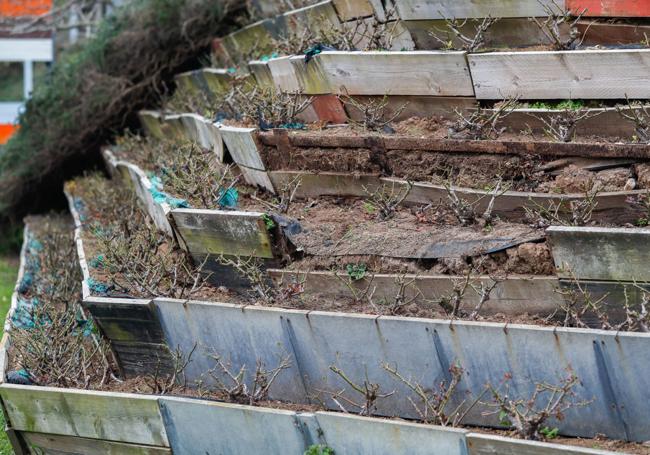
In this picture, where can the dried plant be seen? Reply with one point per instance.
(286, 195)
(386, 198)
(236, 386)
(639, 114)
(529, 416)
(454, 31)
(561, 126)
(559, 18)
(272, 108)
(165, 379)
(373, 113)
(368, 392)
(252, 270)
(434, 404)
(466, 212)
(575, 212)
(482, 123)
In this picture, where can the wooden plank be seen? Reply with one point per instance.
(223, 232)
(328, 109)
(312, 80)
(507, 32)
(250, 42)
(441, 9)
(515, 296)
(318, 17)
(258, 178)
(610, 8)
(242, 146)
(352, 9)
(262, 73)
(400, 40)
(432, 73)
(142, 359)
(217, 80)
(151, 122)
(17, 441)
(126, 320)
(325, 184)
(416, 106)
(52, 444)
(284, 77)
(111, 416)
(486, 444)
(611, 34)
(595, 253)
(588, 74)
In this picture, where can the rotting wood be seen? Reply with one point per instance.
(584, 74)
(109, 416)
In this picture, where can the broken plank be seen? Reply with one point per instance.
(223, 232)
(110, 416)
(598, 253)
(587, 74)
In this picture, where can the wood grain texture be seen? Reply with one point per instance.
(422, 73)
(610, 8)
(588, 74)
(109, 416)
(257, 178)
(242, 146)
(141, 358)
(51, 444)
(125, 320)
(352, 9)
(441, 9)
(283, 74)
(514, 296)
(616, 34)
(594, 253)
(223, 232)
(262, 73)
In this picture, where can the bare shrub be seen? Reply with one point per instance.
(275, 109)
(368, 394)
(165, 381)
(252, 270)
(373, 113)
(466, 212)
(576, 212)
(561, 126)
(482, 123)
(528, 416)
(286, 195)
(235, 384)
(559, 18)
(386, 198)
(639, 114)
(468, 42)
(434, 404)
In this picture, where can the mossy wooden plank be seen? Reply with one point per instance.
(586, 74)
(217, 80)
(262, 73)
(51, 444)
(151, 122)
(596, 253)
(432, 73)
(317, 17)
(252, 41)
(455, 9)
(223, 232)
(108, 416)
(185, 83)
(311, 76)
(126, 320)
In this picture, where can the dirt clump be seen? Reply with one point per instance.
(574, 179)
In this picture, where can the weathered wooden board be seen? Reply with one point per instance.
(110, 416)
(52, 444)
(610, 365)
(441, 9)
(250, 42)
(242, 146)
(262, 73)
(320, 16)
(125, 319)
(202, 427)
(611, 34)
(423, 73)
(283, 74)
(610, 8)
(485, 444)
(151, 122)
(204, 132)
(141, 359)
(223, 232)
(507, 32)
(397, 37)
(325, 184)
(595, 253)
(311, 77)
(217, 80)
(415, 106)
(329, 109)
(514, 296)
(258, 178)
(352, 9)
(588, 74)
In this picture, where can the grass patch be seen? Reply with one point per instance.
(8, 274)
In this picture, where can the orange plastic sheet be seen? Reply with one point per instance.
(17, 8)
